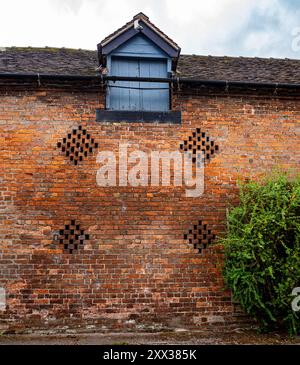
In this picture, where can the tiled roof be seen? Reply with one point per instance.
(63, 61)
(251, 69)
(60, 61)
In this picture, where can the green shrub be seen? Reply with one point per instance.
(262, 251)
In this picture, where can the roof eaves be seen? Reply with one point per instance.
(194, 81)
(163, 35)
(116, 34)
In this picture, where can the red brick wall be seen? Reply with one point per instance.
(135, 269)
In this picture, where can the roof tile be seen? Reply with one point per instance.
(64, 61)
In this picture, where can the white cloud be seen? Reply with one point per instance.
(219, 27)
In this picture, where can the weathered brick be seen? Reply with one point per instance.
(136, 262)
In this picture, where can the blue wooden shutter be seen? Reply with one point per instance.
(154, 100)
(124, 99)
(121, 97)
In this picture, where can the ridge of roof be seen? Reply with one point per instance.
(45, 48)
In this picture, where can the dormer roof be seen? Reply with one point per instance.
(140, 24)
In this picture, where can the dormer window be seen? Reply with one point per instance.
(138, 55)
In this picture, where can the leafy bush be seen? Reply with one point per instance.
(262, 251)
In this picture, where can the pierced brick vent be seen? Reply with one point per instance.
(72, 237)
(199, 143)
(200, 236)
(77, 145)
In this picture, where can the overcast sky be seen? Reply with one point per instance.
(265, 28)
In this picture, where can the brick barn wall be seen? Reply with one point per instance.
(135, 266)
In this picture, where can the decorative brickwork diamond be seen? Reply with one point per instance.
(77, 145)
(199, 144)
(72, 237)
(199, 236)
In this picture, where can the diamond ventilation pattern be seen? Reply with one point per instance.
(72, 237)
(200, 236)
(77, 145)
(199, 143)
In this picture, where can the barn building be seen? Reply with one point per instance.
(78, 254)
